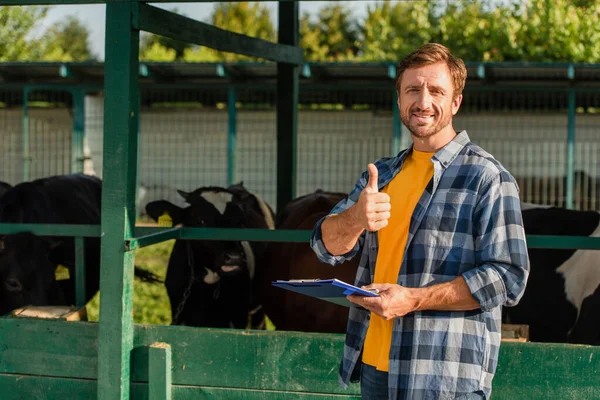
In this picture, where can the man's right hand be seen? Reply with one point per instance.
(372, 210)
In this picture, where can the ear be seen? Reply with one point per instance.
(183, 194)
(157, 208)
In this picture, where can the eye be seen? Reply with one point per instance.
(13, 285)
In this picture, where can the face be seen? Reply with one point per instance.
(26, 275)
(426, 100)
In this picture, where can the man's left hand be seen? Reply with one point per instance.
(393, 301)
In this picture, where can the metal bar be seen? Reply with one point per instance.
(396, 126)
(26, 156)
(570, 150)
(563, 242)
(77, 151)
(287, 108)
(80, 298)
(232, 130)
(52, 229)
(159, 371)
(151, 238)
(169, 24)
(121, 108)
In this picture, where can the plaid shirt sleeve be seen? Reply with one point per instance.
(500, 247)
(316, 241)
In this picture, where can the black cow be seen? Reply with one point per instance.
(562, 299)
(4, 187)
(211, 283)
(28, 263)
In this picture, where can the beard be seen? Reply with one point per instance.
(421, 130)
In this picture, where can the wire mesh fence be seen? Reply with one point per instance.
(186, 134)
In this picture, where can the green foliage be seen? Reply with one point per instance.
(334, 36)
(163, 49)
(67, 41)
(393, 30)
(17, 24)
(150, 301)
(247, 18)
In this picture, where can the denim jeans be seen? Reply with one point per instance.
(373, 383)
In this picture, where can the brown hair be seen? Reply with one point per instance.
(432, 53)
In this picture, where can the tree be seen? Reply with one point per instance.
(251, 19)
(161, 48)
(391, 31)
(67, 40)
(332, 37)
(16, 25)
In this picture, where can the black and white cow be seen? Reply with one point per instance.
(28, 263)
(212, 283)
(562, 299)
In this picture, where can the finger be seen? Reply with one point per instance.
(378, 207)
(373, 178)
(374, 226)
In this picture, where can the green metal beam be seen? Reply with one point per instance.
(287, 108)
(25, 137)
(169, 24)
(231, 136)
(152, 238)
(570, 150)
(121, 109)
(77, 141)
(80, 298)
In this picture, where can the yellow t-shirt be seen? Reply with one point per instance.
(405, 190)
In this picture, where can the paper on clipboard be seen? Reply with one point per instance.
(331, 290)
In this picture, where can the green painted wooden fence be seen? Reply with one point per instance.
(58, 360)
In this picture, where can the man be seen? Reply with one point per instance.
(441, 237)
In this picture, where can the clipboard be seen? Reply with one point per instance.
(331, 290)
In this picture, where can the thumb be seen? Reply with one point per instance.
(373, 178)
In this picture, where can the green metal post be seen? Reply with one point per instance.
(121, 107)
(397, 129)
(231, 137)
(287, 107)
(77, 152)
(26, 156)
(159, 371)
(79, 271)
(570, 149)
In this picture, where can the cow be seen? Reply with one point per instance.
(29, 263)
(292, 311)
(561, 302)
(4, 187)
(211, 283)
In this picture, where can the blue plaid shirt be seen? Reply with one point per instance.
(467, 223)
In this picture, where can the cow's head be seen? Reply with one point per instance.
(27, 274)
(215, 207)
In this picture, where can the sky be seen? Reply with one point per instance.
(93, 15)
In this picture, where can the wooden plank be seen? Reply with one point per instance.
(217, 363)
(159, 371)
(172, 25)
(20, 387)
(121, 119)
(287, 108)
(46, 347)
(286, 361)
(547, 371)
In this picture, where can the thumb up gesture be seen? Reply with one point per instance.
(372, 210)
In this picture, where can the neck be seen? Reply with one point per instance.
(435, 142)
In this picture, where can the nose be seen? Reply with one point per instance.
(424, 100)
